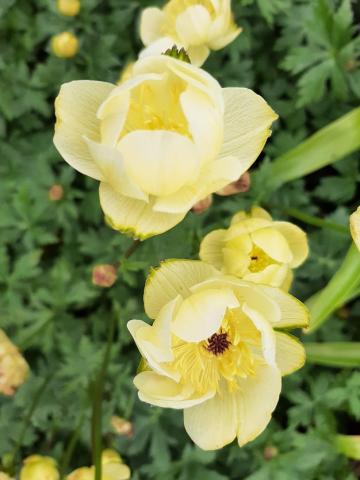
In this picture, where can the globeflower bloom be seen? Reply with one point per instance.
(160, 141)
(216, 350)
(257, 248)
(13, 367)
(196, 25)
(65, 45)
(355, 227)
(69, 8)
(112, 469)
(37, 467)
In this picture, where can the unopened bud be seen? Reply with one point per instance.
(240, 185)
(83, 473)
(110, 456)
(104, 275)
(270, 452)
(70, 8)
(122, 426)
(13, 367)
(202, 205)
(38, 467)
(64, 45)
(56, 192)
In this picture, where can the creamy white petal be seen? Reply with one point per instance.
(75, 108)
(158, 47)
(296, 239)
(290, 353)
(355, 227)
(115, 471)
(159, 161)
(151, 23)
(135, 217)
(211, 248)
(173, 278)
(219, 173)
(198, 54)
(273, 244)
(273, 275)
(181, 201)
(193, 24)
(200, 315)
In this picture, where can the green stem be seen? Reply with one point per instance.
(71, 446)
(315, 221)
(334, 354)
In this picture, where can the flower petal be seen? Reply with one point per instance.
(159, 161)
(178, 202)
(211, 248)
(296, 239)
(273, 275)
(290, 353)
(115, 471)
(135, 217)
(355, 227)
(219, 173)
(273, 244)
(200, 315)
(258, 212)
(192, 25)
(173, 278)
(212, 424)
(256, 399)
(151, 23)
(164, 392)
(247, 125)
(198, 54)
(75, 109)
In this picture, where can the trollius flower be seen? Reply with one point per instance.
(213, 350)
(355, 227)
(159, 142)
(257, 248)
(197, 25)
(13, 367)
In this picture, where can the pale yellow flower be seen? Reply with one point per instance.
(37, 467)
(257, 248)
(196, 25)
(5, 476)
(13, 367)
(216, 350)
(355, 227)
(160, 141)
(70, 8)
(64, 45)
(112, 469)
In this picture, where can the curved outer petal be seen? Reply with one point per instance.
(273, 275)
(245, 225)
(212, 424)
(159, 47)
(290, 353)
(75, 108)
(256, 399)
(164, 392)
(211, 248)
(192, 25)
(223, 30)
(222, 41)
(181, 201)
(151, 23)
(135, 217)
(198, 54)
(273, 244)
(294, 314)
(247, 122)
(115, 471)
(200, 315)
(111, 164)
(159, 161)
(173, 278)
(296, 239)
(258, 212)
(355, 227)
(219, 173)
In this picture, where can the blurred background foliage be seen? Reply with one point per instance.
(303, 57)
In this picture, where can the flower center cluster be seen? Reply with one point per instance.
(259, 260)
(217, 343)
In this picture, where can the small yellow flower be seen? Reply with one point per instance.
(355, 227)
(13, 367)
(69, 8)
(112, 469)
(256, 248)
(216, 350)
(37, 467)
(65, 45)
(159, 142)
(196, 25)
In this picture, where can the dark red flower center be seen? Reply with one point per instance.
(217, 343)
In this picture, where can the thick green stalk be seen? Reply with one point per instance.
(334, 354)
(329, 144)
(345, 281)
(316, 221)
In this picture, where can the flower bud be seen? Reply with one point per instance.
(110, 456)
(56, 193)
(122, 426)
(64, 45)
(37, 467)
(13, 367)
(270, 452)
(69, 8)
(240, 185)
(202, 205)
(104, 275)
(83, 473)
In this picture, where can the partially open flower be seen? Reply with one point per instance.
(355, 227)
(240, 185)
(13, 367)
(104, 275)
(257, 248)
(112, 469)
(37, 467)
(69, 8)
(216, 350)
(159, 142)
(122, 426)
(196, 25)
(64, 45)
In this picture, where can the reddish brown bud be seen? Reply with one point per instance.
(56, 193)
(270, 452)
(122, 426)
(202, 205)
(104, 275)
(240, 185)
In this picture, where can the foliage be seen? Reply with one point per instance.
(302, 56)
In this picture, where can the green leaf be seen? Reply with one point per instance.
(334, 354)
(349, 445)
